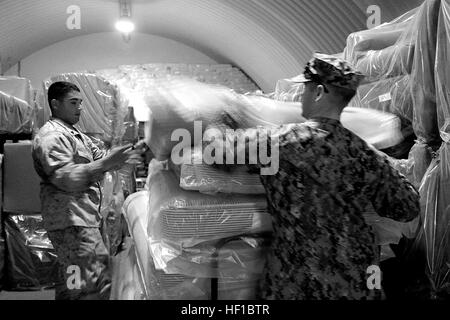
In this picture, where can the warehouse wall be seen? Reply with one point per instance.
(104, 50)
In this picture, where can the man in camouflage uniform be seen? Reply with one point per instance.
(71, 168)
(327, 178)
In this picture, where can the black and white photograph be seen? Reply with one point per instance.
(225, 155)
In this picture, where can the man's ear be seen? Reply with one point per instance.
(54, 104)
(319, 92)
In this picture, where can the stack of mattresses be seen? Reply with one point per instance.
(406, 63)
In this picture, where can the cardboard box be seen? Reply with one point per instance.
(20, 181)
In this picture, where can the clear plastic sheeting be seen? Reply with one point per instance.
(187, 218)
(380, 129)
(135, 211)
(2, 261)
(415, 166)
(2, 240)
(111, 210)
(383, 36)
(288, 90)
(235, 263)
(18, 87)
(16, 115)
(388, 231)
(442, 71)
(211, 247)
(435, 234)
(31, 260)
(126, 282)
(103, 108)
(175, 106)
(184, 108)
(181, 110)
(389, 95)
(199, 176)
(236, 267)
(404, 47)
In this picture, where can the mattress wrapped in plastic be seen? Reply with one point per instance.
(380, 37)
(413, 54)
(190, 106)
(187, 273)
(442, 72)
(392, 61)
(199, 176)
(423, 83)
(390, 95)
(435, 237)
(31, 260)
(17, 87)
(103, 108)
(237, 269)
(16, 115)
(188, 218)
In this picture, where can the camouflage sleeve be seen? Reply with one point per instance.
(393, 196)
(56, 156)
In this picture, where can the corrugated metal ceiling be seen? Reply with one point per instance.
(268, 39)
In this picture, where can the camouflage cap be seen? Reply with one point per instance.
(327, 69)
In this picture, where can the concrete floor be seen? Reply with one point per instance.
(28, 295)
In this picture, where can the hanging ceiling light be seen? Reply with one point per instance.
(124, 24)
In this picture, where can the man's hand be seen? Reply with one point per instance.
(119, 156)
(138, 151)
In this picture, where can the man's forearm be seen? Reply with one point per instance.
(78, 177)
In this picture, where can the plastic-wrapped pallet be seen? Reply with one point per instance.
(413, 54)
(20, 180)
(390, 95)
(2, 241)
(104, 108)
(434, 189)
(17, 87)
(188, 274)
(31, 260)
(16, 115)
(188, 218)
(380, 37)
(434, 238)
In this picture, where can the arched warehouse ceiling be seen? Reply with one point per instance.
(267, 39)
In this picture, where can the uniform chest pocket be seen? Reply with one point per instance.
(82, 155)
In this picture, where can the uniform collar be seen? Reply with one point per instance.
(74, 131)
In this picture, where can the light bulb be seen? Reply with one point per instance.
(125, 25)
